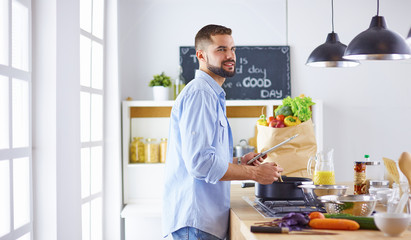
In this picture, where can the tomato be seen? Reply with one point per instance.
(314, 215)
(280, 117)
(270, 119)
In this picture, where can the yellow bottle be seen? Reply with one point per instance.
(324, 178)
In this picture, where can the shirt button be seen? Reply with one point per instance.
(193, 133)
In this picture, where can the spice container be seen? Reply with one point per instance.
(163, 150)
(137, 150)
(360, 184)
(152, 151)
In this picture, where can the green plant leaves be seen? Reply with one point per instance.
(160, 80)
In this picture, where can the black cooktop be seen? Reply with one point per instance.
(279, 208)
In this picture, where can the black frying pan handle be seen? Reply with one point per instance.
(298, 183)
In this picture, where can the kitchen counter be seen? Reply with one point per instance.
(243, 216)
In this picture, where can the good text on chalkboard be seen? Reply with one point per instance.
(262, 72)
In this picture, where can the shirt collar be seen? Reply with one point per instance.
(214, 85)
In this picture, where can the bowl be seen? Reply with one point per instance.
(322, 190)
(357, 205)
(312, 192)
(384, 195)
(392, 224)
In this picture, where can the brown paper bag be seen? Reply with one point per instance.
(292, 156)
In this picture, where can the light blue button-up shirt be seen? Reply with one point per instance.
(199, 149)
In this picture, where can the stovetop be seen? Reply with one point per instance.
(279, 208)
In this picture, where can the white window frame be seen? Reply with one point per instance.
(90, 143)
(21, 152)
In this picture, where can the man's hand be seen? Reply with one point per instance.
(264, 173)
(250, 156)
(267, 173)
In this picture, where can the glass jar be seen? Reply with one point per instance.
(163, 150)
(152, 151)
(360, 184)
(378, 185)
(137, 150)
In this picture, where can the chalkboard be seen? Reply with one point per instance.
(262, 72)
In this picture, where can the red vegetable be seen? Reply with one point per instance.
(280, 117)
(276, 124)
(270, 119)
(314, 215)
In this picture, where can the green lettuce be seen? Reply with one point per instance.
(299, 105)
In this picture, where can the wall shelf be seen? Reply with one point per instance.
(144, 181)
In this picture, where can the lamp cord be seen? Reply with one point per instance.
(332, 15)
(378, 7)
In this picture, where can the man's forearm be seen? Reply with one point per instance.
(239, 172)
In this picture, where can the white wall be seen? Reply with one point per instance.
(150, 33)
(362, 105)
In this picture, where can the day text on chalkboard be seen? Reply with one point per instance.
(262, 72)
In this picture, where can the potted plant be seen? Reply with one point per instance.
(161, 84)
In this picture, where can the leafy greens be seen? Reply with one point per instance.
(300, 107)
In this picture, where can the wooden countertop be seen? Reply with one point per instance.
(243, 216)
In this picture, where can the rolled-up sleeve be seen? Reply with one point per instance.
(199, 124)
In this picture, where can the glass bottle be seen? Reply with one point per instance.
(360, 184)
(163, 150)
(179, 83)
(152, 151)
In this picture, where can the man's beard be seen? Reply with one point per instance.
(220, 70)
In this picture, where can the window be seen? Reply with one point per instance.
(91, 116)
(15, 119)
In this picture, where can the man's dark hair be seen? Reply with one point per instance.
(204, 35)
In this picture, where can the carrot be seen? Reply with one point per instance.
(314, 215)
(333, 224)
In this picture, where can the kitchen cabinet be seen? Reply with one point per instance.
(143, 182)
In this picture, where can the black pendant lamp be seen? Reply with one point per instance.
(378, 43)
(330, 53)
(409, 37)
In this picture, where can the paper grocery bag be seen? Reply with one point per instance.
(292, 156)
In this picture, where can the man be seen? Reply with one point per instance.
(200, 162)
